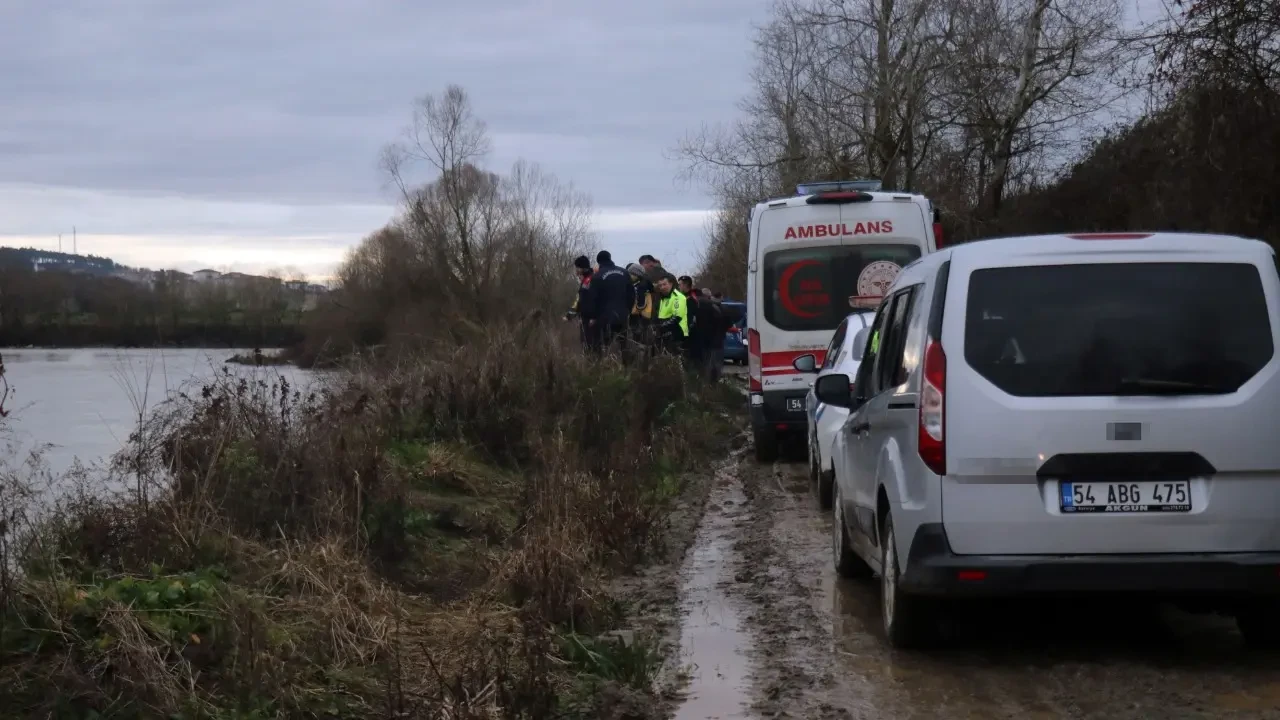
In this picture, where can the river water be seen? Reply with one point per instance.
(83, 403)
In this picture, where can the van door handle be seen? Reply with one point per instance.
(861, 427)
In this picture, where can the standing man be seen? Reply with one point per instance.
(613, 298)
(693, 342)
(649, 262)
(653, 269)
(673, 317)
(584, 304)
(713, 338)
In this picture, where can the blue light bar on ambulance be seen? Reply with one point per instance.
(814, 188)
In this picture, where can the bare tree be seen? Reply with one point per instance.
(471, 248)
(1026, 73)
(1230, 43)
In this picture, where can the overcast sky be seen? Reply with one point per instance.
(243, 134)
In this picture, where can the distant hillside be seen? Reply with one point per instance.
(30, 257)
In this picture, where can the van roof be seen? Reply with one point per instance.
(1118, 242)
(995, 251)
(881, 196)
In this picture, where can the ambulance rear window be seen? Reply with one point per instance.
(810, 288)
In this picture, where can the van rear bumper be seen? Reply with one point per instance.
(773, 411)
(933, 569)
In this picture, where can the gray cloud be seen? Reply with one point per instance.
(290, 102)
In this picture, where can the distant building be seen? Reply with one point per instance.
(205, 275)
(145, 278)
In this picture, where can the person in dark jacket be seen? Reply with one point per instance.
(613, 297)
(717, 324)
(651, 266)
(584, 304)
(693, 342)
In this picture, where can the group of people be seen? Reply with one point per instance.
(644, 309)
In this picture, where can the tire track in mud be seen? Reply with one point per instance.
(813, 647)
(780, 559)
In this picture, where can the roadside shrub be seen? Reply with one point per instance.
(412, 537)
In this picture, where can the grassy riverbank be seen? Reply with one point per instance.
(431, 538)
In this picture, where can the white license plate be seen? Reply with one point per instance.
(1142, 496)
(795, 404)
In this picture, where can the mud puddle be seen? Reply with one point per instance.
(796, 642)
(713, 640)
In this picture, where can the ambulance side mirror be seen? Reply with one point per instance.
(806, 363)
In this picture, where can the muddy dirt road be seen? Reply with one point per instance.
(769, 632)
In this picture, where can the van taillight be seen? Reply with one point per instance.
(937, 235)
(932, 433)
(754, 368)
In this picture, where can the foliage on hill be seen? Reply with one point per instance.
(976, 106)
(77, 309)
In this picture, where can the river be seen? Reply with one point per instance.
(83, 403)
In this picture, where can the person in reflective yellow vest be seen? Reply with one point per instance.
(874, 346)
(673, 316)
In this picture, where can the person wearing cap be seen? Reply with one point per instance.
(613, 298)
(583, 306)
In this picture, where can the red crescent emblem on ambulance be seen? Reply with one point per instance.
(784, 289)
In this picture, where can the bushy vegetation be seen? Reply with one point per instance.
(430, 532)
(424, 539)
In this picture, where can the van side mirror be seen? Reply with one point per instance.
(834, 390)
(806, 363)
(860, 343)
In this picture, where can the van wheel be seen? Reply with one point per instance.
(1260, 627)
(766, 443)
(813, 464)
(909, 621)
(826, 487)
(847, 562)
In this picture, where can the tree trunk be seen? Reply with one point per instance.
(885, 140)
(1022, 100)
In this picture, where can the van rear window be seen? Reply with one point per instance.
(1117, 329)
(809, 288)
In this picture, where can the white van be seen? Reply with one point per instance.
(1087, 413)
(832, 246)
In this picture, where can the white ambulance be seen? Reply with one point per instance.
(833, 246)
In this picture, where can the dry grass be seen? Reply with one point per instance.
(416, 541)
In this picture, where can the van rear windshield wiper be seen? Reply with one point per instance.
(1153, 386)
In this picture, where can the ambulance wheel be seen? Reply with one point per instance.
(766, 444)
